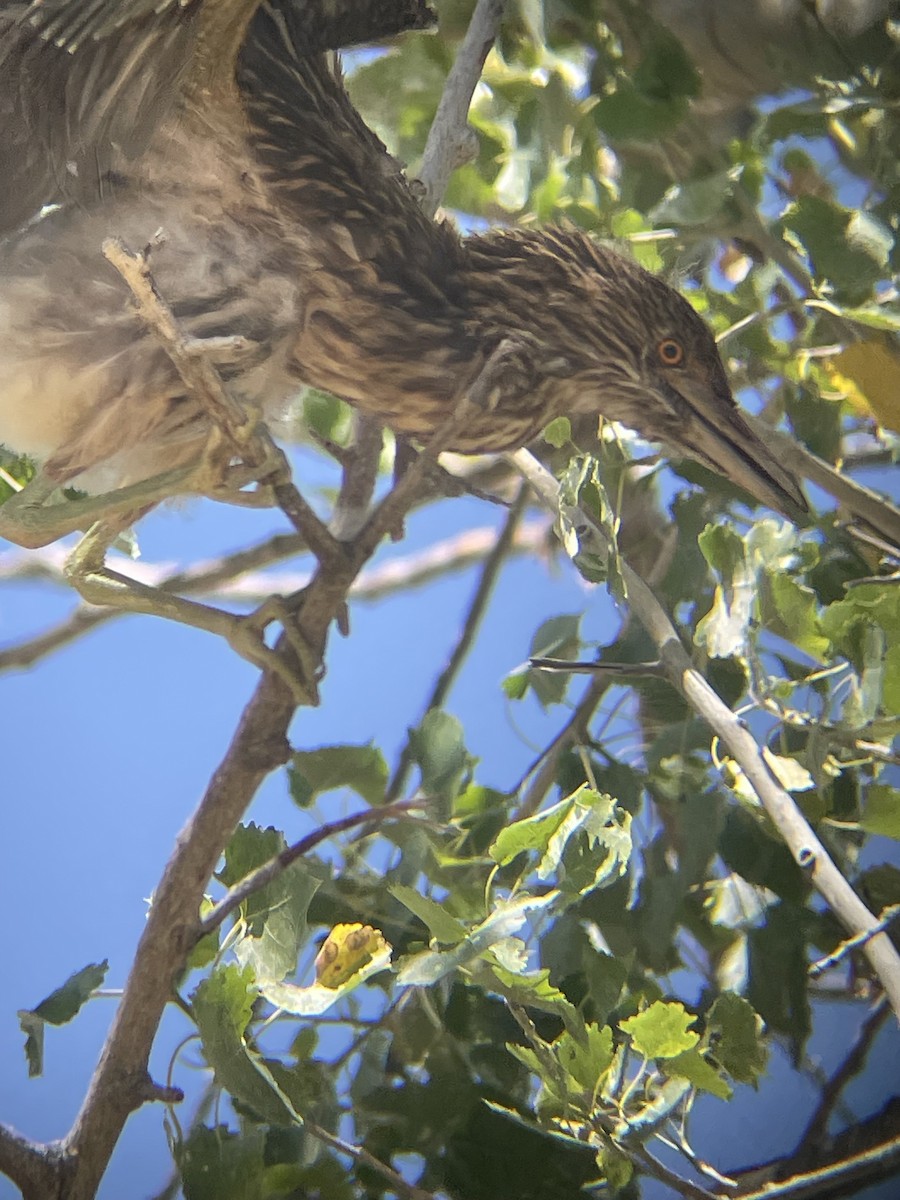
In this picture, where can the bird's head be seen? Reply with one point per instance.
(617, 341)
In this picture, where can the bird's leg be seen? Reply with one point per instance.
(221, 478)
(27, 519)
(33, 517)
(88, 573)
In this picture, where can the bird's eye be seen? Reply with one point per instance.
(671, 353)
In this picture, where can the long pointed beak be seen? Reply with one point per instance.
(717, 435)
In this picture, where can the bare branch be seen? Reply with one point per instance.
(449, 139)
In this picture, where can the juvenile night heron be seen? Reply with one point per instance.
(285, 222)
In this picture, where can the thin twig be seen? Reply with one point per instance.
(854, 1062)
(270, 870)
(360, 1155)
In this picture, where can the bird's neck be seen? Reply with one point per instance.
(221, 31)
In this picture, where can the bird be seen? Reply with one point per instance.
(406, 315)
(285, 222)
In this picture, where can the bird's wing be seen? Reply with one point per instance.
(77, 101)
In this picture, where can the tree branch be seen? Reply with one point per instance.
(796, 831)
(449, 140)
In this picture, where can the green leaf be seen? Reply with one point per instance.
(586, 1061)
(661, 1031)
(280, 925)
(698, 202)
(274, 916)
(64, 1003)
(628, 115)
(515, 685)
(441, 925)
(882, 811)
(585, 812)
(57, 1009)
(222, 1006)
(848, 247)
(778, 986)
(534, 990)
(361, 768)
(666, 72)
(427, 968)
(557, 637)
(737, 1033)
(791, 610)
(615, 1168)
(558, 433)
(531, 833)
(724, 631)
(438, 748)
(206, 950)
(215, 1163)
(692, 1066)
(588, 525)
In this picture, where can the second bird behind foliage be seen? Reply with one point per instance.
(284, 221)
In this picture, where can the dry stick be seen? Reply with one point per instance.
(796, 831)
(477, 608)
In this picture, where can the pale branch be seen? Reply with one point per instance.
(861, 502)
(885, 919)
(471, 625)
(842, 1178)
(274, 867)
(449, 140)
(362, 457)
(795, 830)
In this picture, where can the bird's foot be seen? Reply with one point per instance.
(98, 584)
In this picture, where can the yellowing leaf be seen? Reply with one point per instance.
(347, 949)
(869, 373)
(662, 1030)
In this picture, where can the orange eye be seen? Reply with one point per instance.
(671, 353)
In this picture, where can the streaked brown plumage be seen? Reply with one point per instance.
(405, 315)
(287, 223)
